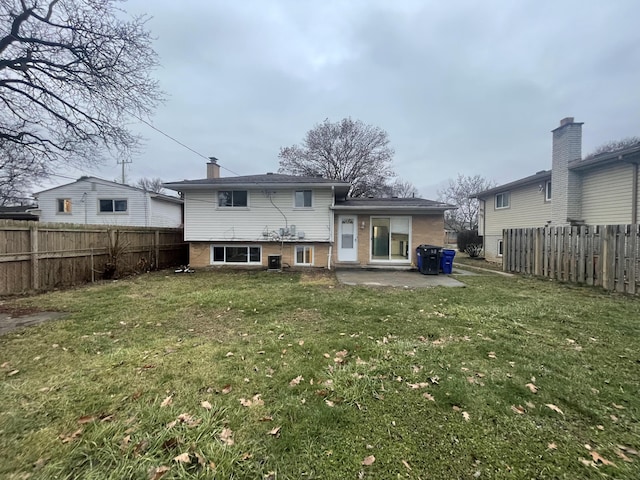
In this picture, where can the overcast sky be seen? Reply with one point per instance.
(469, 87)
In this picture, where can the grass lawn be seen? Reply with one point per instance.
(281, 376)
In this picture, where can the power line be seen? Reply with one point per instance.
(178, 141)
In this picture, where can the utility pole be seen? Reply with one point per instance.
(123, 162)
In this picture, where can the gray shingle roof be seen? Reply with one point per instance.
(269, 178)
(542, 175)
(401, 203)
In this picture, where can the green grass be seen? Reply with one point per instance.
(218, 337)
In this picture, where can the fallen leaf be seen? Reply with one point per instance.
(12, 373)
(71, 437)
(415, 386)
(167, 401)
(621, 455)
(206, 405)
(182, 458)
(86, 419)
(600, 427)
(301, 342)
(532, 387)
(229, 354)
(201, 460)
(5, 365)
(491, 354)
(456, 408)
(158, 472)
(296, 381)
(125, 441)
(466, 416)
(274, 431)
(629, 450)
(554, 408)
(597, 458)
(267, 418)
(368, 460)
(227, 436)
(519, 409)
(586, 462)
(530, 405)
(329, 402)
(428, 396)
(619, 407)
(613, 418)
(226, 389)
(326, 355)
(552, 446)
(404, 462)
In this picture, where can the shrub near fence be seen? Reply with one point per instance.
(601, 255)
(37, 256)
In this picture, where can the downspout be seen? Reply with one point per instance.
(634, 195)
(332, 217)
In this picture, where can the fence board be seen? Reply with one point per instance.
(602, 255)
(46, 256)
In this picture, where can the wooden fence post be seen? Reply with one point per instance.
(633, 257)
(621, 231)
(35, 266)
(157, 249)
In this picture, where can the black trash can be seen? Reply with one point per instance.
(429, 259)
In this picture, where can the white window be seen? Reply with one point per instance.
(233, 198)
(236, 254)
(64, 205)
(499, 248)
(303, 199)
(547, 191)
(304, 255)
(502, 200)
(110, 205)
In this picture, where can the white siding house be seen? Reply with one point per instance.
(597, 190)
(93, 201)
(300, 221)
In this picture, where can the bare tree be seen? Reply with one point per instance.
(403, 189)
(72, 74)
(151, 184)
(615, 145)
(348, 150)
(459, 193)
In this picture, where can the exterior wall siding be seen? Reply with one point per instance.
(165, 214)
(607, 195)
(205, 221)
(527, 208)
(85, 196)
(200, 253)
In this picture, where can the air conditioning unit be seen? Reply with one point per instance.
(274, 263)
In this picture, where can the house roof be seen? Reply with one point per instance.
(382, 204)
(19, 212)
(540, 176)
(631, 154)
(264, 180)
(158, 196)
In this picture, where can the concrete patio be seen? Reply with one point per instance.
(399, 278)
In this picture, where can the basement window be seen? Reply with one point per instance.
(304, 255)
(500, 247)
(236, 254)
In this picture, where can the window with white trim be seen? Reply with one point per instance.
(499, 250)
(236, 254)
(502, 200)
(547, 191)
(304, 255)
(233, 198)
(64, 205)
(302, 199)
(112, 205)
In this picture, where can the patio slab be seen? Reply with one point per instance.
(398, 278)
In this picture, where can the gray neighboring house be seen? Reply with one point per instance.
(19, 212)
(94, 201)
(597, 190)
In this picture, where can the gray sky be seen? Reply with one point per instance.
(460, 86)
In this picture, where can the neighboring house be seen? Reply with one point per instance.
(93, 201)
(22, 212)
(307, 221)
(597, 190)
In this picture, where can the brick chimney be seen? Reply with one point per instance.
(213, 169)
(565, 184)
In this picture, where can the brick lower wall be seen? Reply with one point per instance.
(200, 253)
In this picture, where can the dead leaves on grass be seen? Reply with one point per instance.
(368, 460)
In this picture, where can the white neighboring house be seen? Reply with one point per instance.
(94, 201)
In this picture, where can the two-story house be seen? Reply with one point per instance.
(301, 221)
(94, 201)
(597, 190)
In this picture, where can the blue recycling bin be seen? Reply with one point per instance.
(446, 260)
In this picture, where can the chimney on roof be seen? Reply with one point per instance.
(213, 169)
(567, 147)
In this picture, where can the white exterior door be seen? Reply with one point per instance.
(348, 238)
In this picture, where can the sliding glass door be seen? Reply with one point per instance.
(390, 238)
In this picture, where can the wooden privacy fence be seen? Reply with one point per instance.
(37, 256)
(602, 255)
